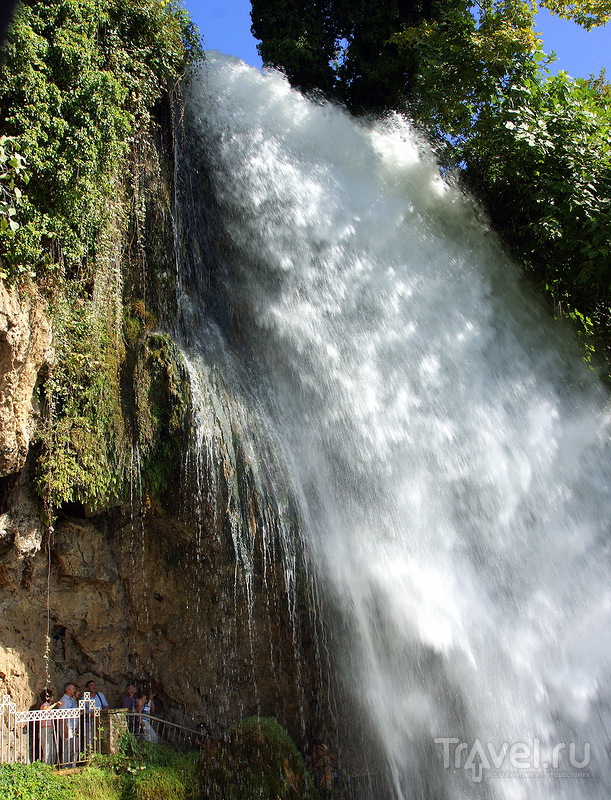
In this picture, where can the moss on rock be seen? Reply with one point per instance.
(258, 760)
(162, 399)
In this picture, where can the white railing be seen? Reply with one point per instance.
(154, 729)
(62, 736)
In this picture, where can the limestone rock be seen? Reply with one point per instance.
(25, 339)
(21, 525)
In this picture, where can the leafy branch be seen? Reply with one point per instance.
(12, 166)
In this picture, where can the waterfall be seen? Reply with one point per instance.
(446, 447)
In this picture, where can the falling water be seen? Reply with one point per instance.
(240, 480)
(448, 449)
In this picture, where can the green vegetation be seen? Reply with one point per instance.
(93, 783)
(465, 64)
(150, 771)
(158, 783)
(533, 147)
(78, 81)
(142, 772)
(12, 165)
(587, 13)
(31, 782)
(541, 162)
(85, 440)
(379, 55)
(43, 782)
(82, 89)
(258, 759)
(342, 47)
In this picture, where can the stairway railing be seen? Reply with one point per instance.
(178, 736)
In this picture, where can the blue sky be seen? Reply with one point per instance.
(225, 25)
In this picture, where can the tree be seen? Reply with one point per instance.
(344, 48)
(466, 62)
(299, 37)
(587, 13)
(540, 160)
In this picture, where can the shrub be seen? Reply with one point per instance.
(32, 782)
(94, 783)
(157, 783)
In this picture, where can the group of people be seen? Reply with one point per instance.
(61, 741)
(67, 740)
(143, 707)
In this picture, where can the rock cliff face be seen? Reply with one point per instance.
(182, 581)
(154, 589)
(132, 596)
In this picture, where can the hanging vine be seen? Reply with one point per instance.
(78, 82)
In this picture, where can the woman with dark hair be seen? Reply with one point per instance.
(146, 707)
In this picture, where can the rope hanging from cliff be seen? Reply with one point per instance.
(47, 656)
(49, 542)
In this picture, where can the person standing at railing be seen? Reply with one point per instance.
(81, 728)
(48, 729)
(325, 771)
(146, 707)
(131, 704)
(67, 738)
(98, 698)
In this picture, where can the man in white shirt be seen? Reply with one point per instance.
(68, 729)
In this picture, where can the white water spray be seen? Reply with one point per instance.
(448, 448)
